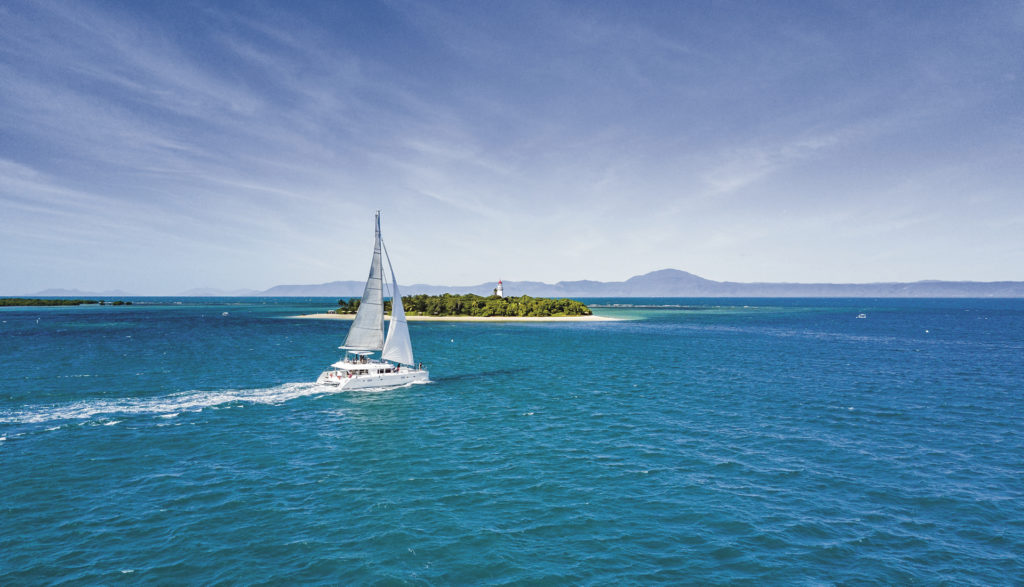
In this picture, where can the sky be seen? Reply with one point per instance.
(154, 147)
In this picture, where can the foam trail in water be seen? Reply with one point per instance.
(189, 401)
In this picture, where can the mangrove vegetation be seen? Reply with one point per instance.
(56, 302)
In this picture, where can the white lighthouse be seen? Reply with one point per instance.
(498, 290)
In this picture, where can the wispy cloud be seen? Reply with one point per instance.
(225, 138)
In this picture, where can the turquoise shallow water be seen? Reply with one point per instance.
(721, 441)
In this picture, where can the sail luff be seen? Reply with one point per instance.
(367, 330)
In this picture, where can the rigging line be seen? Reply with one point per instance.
(391, 269)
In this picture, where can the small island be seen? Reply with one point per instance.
(479, 306)
(43, 302)
(55, 302)
(474, 308)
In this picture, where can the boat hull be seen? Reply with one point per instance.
(373, 380)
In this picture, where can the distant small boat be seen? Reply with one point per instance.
(223, 313)
(862, 315)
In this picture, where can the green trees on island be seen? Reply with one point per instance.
(350, 305)
(42, 302)
(474, 305)
(61, 302)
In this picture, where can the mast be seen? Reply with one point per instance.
(367, 330)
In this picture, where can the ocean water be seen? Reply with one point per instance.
(698, 441)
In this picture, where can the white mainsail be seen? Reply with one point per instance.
(398, 346)
(367, 331)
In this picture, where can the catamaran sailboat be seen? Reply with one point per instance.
(359, 369)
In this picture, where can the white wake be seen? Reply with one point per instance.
(166, 405)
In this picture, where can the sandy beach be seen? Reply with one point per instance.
(325, 316)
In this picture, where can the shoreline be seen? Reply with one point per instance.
(591, 318)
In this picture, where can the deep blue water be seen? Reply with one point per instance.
(702, 441)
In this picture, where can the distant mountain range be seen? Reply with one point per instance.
(664, 283)
(675, 283)
(77, 293)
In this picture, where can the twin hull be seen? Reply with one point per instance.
(372, 380)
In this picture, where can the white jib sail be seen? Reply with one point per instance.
(397, 347)
(367, 330)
